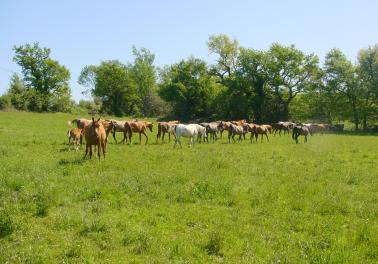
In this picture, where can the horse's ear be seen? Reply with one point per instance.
(92, 118)
(98, 119)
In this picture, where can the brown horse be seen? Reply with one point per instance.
(138, 127)
(80, 123)
(166, 127)
(239, 122)
(260, 130)
(95, 135)
(249, 128)
(76, 134)
(269, 127)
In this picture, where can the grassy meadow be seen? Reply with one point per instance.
(270, 202)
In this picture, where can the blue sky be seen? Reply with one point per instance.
(86, 32)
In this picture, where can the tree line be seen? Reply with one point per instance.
(280, 83)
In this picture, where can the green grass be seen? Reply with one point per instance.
(233, 203)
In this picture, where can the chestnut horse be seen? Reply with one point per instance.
(138, 127)
(260, 130)
(76, 134)
(95, 135)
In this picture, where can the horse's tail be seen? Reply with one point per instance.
(71, 122)
(175, 129)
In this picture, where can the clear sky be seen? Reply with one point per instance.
(86, 32)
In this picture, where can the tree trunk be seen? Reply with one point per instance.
(364, 122)
(285, 112)
(355, 114)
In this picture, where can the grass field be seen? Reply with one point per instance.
(274, 202)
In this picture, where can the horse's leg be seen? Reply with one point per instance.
(144, 133)
(90, 151)
(305, 138)
(130, 133)
(103, 144)
(99, 150)
(86, 150)
(266, 134)
(174, 146)
(114, 137)
(140, 138)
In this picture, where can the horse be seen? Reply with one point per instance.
(249, 128)
(108, 126)
(165, 127)
(235, 130)
(119, 126)
(239, 122)
(191, 131)
(80, 123)
(212, 129)
(260, 130)
(95, 135)
(76, 134)
(138, 127)
(269, 127)
(221, 127)
(300, 130)
(285, 126)
(201, 133)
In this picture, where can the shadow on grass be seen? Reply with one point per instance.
(77, 161)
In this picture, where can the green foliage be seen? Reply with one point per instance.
(44, 86)
(125, 89)
(112, 83)
(190, 89)
(5, 102)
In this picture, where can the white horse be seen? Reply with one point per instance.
(191, 131)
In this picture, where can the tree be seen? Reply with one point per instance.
(291, 72)
(144, 74)
(367, 70)
(45, 79)
(112, 82)
(190, 89)
(341, 77)
(253, 69)
(228, 51)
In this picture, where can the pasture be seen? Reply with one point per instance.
(270, 202)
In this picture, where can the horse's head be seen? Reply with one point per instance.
(149, 125)
(112, 126)
(94, 127)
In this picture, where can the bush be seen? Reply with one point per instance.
(5, 102)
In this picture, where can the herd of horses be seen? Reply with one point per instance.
(96, 132)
